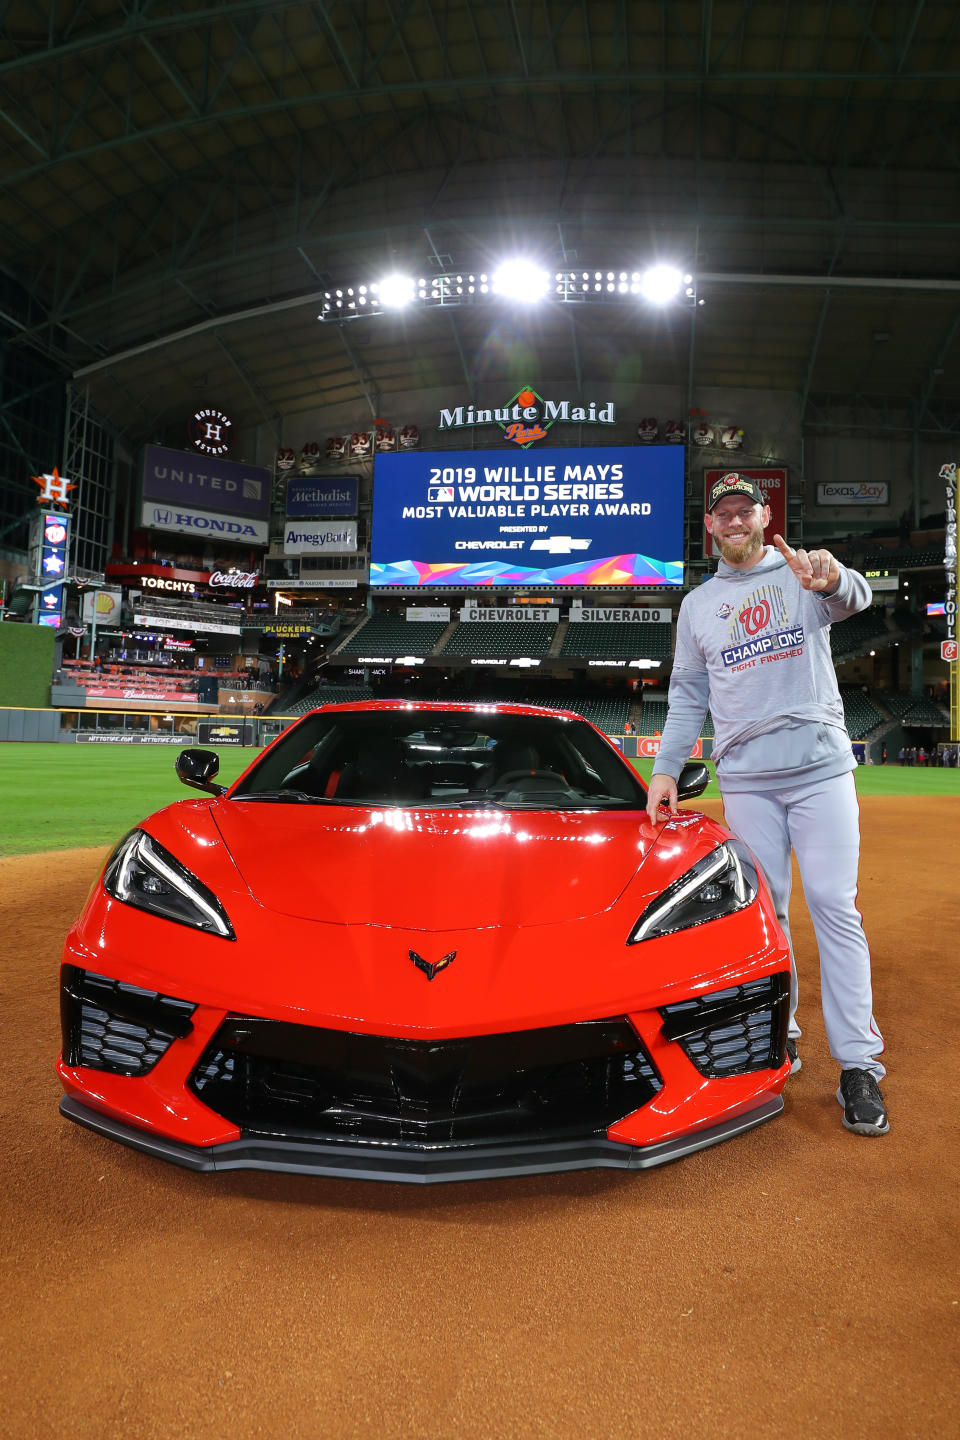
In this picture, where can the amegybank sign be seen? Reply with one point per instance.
(320, 537)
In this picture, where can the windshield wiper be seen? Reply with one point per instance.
(285, 797)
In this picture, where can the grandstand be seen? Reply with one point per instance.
(860, 715)
(484, 638)
(858, 632)
(324, 695)
(653, 717)
(609, 715)
(618, 642)
(393, 635)
(914, 710)
(912, 558)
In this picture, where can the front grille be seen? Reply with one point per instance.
(120, 1028)
(735, 1031)
(273, 1078)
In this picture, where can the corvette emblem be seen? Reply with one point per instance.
(428, 969)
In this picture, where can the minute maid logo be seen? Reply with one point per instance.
(760, 630)
(528, 417)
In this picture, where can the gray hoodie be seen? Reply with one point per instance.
(754, 647)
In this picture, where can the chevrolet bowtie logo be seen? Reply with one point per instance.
(428, 969)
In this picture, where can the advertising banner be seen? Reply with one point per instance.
(104, 604)
(205, 523)
(773, 483)
(525, 614)
(205, 482)
(428, 612)
(134, 692)
(320, 537)
(129, 737)
(633, 615)
(319, 582)
(53, 564)
(322, 495)
(572, 517)
(853, 492)
(177, 622)
(222, 732)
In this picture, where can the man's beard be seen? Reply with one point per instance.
(735, 552)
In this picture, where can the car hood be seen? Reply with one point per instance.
(432, 870)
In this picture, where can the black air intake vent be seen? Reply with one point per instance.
(115, 1027)
(272, 1078)
(735, 1031)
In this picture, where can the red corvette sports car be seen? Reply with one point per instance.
(425, 942)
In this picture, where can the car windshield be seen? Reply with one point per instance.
(455, 759)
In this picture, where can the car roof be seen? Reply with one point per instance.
(437, 707)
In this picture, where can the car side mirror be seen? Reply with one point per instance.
(197, 768)
(694, 779)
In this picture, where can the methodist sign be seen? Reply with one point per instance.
(610, 516)
(323, 495)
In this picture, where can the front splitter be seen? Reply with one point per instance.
(417, 1165)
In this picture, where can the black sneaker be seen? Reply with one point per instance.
(793, 1056)
(863, 1109)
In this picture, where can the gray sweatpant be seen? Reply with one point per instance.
(820, 822)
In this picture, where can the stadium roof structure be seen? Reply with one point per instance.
(183, 182)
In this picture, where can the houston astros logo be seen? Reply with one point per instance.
(53, 488)
(431, 970)
(755, 617)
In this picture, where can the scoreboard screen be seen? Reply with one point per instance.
(553, 518)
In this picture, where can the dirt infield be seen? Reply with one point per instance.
(796, 1281)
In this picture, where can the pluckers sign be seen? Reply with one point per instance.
(528, 417)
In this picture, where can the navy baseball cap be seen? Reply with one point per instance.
(734, 484)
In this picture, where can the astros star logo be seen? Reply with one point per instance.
(53, 488)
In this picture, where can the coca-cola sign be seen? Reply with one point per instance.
(234, 579)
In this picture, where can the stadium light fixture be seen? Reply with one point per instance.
(395, 291)
(521, 280)
(662, 283)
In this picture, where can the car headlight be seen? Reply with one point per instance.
(142, 873)
(720, 884)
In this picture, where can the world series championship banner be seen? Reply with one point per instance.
(571, 517)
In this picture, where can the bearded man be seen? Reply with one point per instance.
(753, 647)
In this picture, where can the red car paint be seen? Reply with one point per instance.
(327, 903)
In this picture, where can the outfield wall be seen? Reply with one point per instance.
(126, 727)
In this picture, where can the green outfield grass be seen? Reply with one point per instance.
(58, 797)
(871, 780)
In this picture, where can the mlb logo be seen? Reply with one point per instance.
(948, 650)
(438, 493)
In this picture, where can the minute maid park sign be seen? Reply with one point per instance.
(528, 416)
